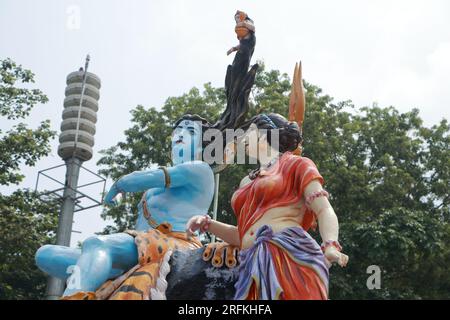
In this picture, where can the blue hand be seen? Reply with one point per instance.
(113, 192)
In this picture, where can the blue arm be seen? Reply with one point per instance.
(183, 174)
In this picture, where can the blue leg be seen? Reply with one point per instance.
(102, 257)
(54, 260)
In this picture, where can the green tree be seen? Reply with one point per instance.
(387, 174)
(26, 223)
(20, 144)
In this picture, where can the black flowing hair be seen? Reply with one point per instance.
(239, 81)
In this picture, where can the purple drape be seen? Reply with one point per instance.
(256, 262)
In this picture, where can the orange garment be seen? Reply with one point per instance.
(282, 185)
(152, 246)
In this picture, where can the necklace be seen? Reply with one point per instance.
(271, 162)
(255, 173)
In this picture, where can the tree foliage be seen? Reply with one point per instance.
(26, 223)
(387, 174)
(20, 144)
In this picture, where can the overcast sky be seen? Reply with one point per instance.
(390, 52)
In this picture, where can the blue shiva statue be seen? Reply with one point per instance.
(190, 193)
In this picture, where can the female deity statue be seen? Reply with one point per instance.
(275, 206)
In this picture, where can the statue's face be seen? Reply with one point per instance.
(186, 142)
(250, 139)
(256, 145)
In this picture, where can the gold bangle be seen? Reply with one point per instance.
(166, 176)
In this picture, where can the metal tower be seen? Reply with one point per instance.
(76, 142)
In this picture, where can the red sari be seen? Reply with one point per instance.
(291, 256)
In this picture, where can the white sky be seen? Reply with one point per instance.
(391, 52)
